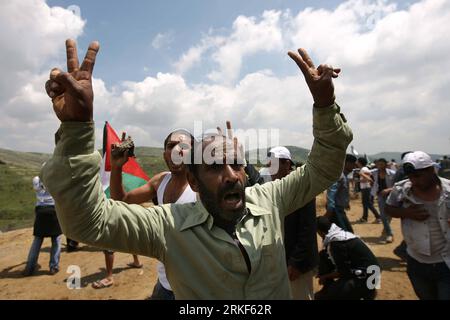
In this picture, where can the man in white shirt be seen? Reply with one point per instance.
(383, 178)
(365, 183)
(45, 225)
(423, 203)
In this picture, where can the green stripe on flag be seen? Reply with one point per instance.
(129, 182)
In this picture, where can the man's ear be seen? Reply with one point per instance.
(192, 180)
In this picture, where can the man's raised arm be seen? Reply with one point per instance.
(332, 136)
(72, 174)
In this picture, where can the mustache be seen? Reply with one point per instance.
(236, 187)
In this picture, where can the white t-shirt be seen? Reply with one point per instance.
(187, 196)
(364, 184)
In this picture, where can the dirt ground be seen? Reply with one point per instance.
(138, 283)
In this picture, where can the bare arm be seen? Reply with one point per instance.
(146, 192)
(365, 176)
(328, 276)
(118, 192)
(385, 192)
(414, 212)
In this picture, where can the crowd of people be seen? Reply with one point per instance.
(223, 230)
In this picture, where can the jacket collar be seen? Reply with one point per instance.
(199, 215)
(445, 193)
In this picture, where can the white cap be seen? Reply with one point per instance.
(419, 160)
(281, 153)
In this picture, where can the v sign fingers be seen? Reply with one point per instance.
(89, 59)
(300, 63)
(305, 56)
(71, 91)
(318, 80)
(72, 56)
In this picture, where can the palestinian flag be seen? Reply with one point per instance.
(132, 174)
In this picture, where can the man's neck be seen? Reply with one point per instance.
(430, 194)
(229, 227)
(179, 178)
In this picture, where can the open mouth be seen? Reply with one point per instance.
(233, 199)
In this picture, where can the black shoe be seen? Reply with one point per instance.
(30, 272)
(54, 271)
(72, 249)
(27, 272)
(401, 252)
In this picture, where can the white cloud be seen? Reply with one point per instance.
(162, 40)
(250, 35)
(32, 37)
(393, 87)
(392, 80)
(392, 84)
(190, 58)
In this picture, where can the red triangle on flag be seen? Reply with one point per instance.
(131, 166)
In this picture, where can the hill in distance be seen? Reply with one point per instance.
(397, 156)
(17, 169)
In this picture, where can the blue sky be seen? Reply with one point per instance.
(126, 30)
(167, 64)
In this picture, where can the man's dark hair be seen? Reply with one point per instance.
(405, 153)
(323, 224)
(197, 146)
(409, 168)
(184, 131)
(350, 158)
(382, 160)
(363, 161)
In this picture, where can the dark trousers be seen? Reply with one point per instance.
(72, 245)
(431, 281)
(367, 202)
(346, 289)
(340, 219)
(161, 293)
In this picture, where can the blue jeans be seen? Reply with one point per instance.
(384, 217)
(341, 219)
(367, 202)
(55, 253)
(430, 281)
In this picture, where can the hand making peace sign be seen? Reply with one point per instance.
(71, 91)
(319, 80)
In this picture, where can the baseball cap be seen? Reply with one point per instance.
(281, 153)
(417, 160)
